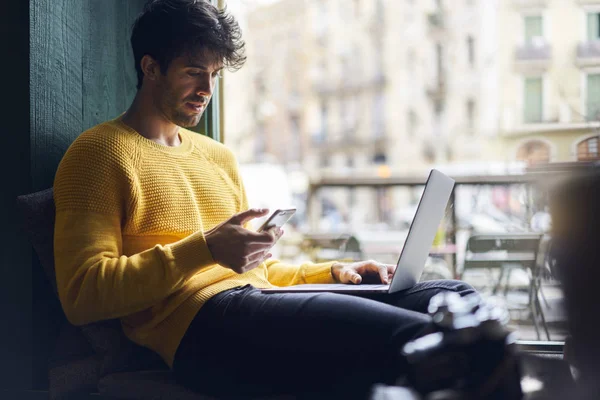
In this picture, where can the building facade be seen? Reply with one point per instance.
(550, 70)
(386, 87)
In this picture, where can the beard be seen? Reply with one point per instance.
(175, 110)
(185, 119)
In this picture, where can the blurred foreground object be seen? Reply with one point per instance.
(471, 356)
(575, 209)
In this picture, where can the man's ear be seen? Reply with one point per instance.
(150, 67)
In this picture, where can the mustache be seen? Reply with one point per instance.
(202, 99)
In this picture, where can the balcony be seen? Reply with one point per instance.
(436, 20)
(437, 91)
(349, 84)
(551, 127)
(349, 139)
(588, 54)
(436, 23)
(530, 3)
(533, 56)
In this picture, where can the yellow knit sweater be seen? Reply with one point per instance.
(129, 241)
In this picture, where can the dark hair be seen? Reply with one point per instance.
(167, 29)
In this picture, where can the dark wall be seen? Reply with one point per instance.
(70, 68)
(81, 73)
(15, 257)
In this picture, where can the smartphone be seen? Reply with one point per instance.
(278, 219)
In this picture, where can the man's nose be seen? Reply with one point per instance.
(205, 87)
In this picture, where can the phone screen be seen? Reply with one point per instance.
(278, 219)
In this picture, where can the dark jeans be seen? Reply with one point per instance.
(244, 343)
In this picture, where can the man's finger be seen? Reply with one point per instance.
(350, 276)
(260, 237)
(245, 216)
(383, 274)
(391, 269)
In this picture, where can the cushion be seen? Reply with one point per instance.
(117, 352)
(114, 351)
(37, 210)
(73, 365)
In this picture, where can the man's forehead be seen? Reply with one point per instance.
(203, 58)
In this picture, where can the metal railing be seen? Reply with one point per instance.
(588, 53)
(534, 52)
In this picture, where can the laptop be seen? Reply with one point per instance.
(429, 214)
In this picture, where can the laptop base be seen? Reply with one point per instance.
(332, 288)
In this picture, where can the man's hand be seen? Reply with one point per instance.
(239, 249)
(357, 271)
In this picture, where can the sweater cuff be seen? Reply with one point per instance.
(191, 252)
(319, 273)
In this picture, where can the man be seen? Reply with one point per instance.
(151, 228)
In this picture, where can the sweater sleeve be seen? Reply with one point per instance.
(96, 281)
(281, 274)
(93, 190)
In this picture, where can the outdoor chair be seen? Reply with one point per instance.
(501, 251)
(541, 269)
(509, 251)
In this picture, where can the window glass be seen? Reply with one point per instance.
(587, 150)
(533, 100)
(593, 97)
(533, 28)
(358, 108)
(471, 50)
(593, 25)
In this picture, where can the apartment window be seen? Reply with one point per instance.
(379, 158)
(534, 102)
(439, 56)
(324, 116)
(294, 151)
(379, 115)
(534, 30)
(471, 116)
(593, 97)
(411, 128)
(588, 150)
(593, 25)
(471, 50)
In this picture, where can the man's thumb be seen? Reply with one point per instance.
(245, 216)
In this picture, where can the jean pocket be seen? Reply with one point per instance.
(217, 300)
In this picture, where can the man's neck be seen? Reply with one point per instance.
(144, 118)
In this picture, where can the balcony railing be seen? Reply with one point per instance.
(349, 139)
(436, 20)
(533, 55)
(530, 3)
(534, 52)
(588, 53)
(437, 90)
(350, 84)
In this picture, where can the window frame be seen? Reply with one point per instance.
(542, 98)
(211, 123)
(586, 98)
(529, 40)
